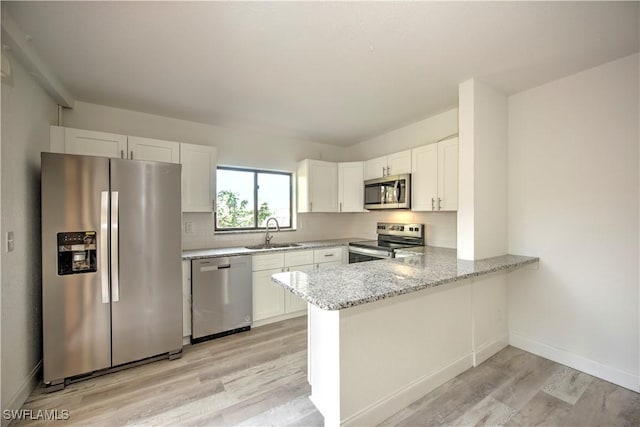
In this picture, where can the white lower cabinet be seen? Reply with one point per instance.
(271, 302)
(268, 298)
(292, 302)
(327, 257)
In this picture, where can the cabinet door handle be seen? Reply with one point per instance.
(104, 245)
(388, 170)
(131, 154)
(340, 206)
(439, 203)
(326, 255)
(122, 154)
(433, 204)
(310, 206)
(383, 172)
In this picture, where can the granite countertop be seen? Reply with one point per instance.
(349, 285)
(234, 251)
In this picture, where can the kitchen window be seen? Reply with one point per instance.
(246, 198)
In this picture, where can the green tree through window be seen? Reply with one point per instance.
(246, 198)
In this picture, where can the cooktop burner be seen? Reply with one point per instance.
(394, 236)
(377, 244)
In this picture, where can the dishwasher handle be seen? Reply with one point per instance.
(214, 267)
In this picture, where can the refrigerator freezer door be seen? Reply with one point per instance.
(147, 318)
(76, 321)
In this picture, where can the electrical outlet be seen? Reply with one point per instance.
(10, 242)
(188, 227)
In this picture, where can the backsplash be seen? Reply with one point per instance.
(440, 228)
(310, 226)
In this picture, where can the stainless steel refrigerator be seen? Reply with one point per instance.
(111, 263)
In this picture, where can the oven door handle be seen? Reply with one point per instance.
(370, 252)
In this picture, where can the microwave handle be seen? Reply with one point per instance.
(397, 191)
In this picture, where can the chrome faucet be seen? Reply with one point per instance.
(267, 237)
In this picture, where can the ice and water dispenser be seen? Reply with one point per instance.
(77, 252)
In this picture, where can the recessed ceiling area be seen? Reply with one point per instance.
(331, 72)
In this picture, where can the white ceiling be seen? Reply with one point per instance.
(333, 72)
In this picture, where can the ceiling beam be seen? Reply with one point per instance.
(21, 48)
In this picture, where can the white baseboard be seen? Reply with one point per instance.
(384, 408)
(489, 348)
(18, 399)
(279, 318)
(591, 367)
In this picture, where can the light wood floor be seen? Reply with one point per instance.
(259, 378)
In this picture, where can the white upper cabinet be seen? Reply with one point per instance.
(375, 168)
(102, 144)
(424, 178)
(198, 161)
(398, 163)
(87, 142)
(351, 187)
(393, 164)
(153, 149)
(198, 177)
(448, 175)
(317, 186)
(434, 175)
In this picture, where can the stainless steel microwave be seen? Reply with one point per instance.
(389, 192)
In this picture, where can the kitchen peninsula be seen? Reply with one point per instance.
(381, 334)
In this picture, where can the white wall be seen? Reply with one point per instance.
(482, 199)
(424, 132)
(27, 113)
(574, 202)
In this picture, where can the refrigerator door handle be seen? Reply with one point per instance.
(115, 285)
(104, 246)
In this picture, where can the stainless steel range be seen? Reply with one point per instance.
(391, 236)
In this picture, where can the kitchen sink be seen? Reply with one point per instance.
(274, 246)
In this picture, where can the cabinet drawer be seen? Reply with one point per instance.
(298, 258)
(268, 261)
(327, 255)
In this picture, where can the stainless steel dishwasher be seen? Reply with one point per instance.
(222, 296)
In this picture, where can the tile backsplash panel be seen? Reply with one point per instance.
(440, 228)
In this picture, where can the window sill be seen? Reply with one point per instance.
(271, 230)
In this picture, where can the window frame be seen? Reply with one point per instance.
(256, 207)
